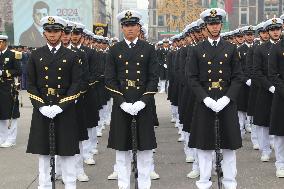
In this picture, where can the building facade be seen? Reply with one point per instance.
(240, 13)
(6, 16)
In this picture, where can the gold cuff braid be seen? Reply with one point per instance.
(73, 97)
(90, 84)
(36, 98)
(149, 93)
(112, 90)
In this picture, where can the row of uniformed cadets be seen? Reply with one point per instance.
(250, 92)
(10, 69)
(183, 89)
(66, 85)
(257, 93)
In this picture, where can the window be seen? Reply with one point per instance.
(161, 21)
(244, 15)
(154, 18)
(154, 4)
(243, 3)
(271, 8)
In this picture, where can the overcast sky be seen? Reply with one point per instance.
(142, 4)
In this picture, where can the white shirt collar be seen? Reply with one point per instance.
(69, 46)
(249, 44)
(57, 47)
(4, 50)
(128, 42)
(211, 40)
(79, 46)
(274, 42)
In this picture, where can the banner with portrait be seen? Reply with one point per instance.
(27, 15)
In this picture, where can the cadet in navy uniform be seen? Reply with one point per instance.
(263, 36)
(163, 65)
(53, 86)
(9, 68)
(266, 88)
(214, 73)
(276, 75)
(248, 32)
(131, 76)
(80, 104)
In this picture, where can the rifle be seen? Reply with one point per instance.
(134, 150)
(15, 94)
(52, 149)
(219, 156)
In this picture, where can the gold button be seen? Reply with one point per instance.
(138, 63)
(209, 71)
(138, 72)
(46, 85)
(221, 88)
(210, 79)
(57, 96)
(221, 63)
(59, 69)
(46, 68)
(138, 79)
(126, 63)
(46, 77)
(220, 71)
(209, 63)
(138, 87)
(209, 88)
(126, 88)
(126, 71)
(220, 79)
(58, 86)
(59, 77)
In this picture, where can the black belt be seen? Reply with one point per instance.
(215, 84)
(52, 91)
(131, 83)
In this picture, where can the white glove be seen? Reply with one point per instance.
(55, 110)
(165, 66)
(210, 103)
(46, 111)
(221, 103)
(138, 106)
(272, 89)
(1, 72)
(127, 107)
(248, 82)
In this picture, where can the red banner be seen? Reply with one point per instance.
(229, 6)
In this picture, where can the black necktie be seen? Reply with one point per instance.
(214, 43)
(53, 50)
(132, 45)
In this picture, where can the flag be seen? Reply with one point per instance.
(229, 6)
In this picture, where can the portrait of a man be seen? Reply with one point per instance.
(33, 36)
